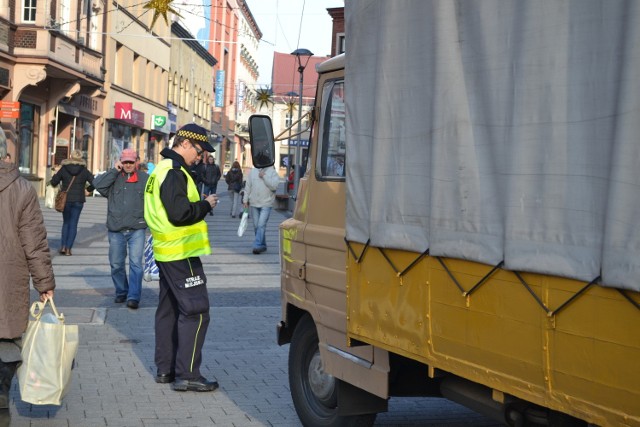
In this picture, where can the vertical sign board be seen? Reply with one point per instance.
(219, 89)
(241, 90)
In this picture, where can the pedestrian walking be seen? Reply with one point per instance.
(197, 169)
(234, 180)
(175, 215)
(210, 176)
(24, 257)
(259, 194)
(123, 186)
(76, 180)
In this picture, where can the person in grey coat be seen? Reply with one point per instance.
(124, 187)
(24, 256)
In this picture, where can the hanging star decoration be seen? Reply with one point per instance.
(290, 107)
(160, 7)
(264, 97)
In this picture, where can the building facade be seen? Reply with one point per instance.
(249, 36)
(101, 77)
(51, 82)
(223, 33)
(190, 80)
(137, 59)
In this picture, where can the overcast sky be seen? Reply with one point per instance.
(280, 23)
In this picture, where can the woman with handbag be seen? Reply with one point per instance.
(73, 177)
(234, 181)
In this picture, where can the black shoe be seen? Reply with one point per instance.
(201, 384)
(132, 304)
(62, 251)
(120, 300)
(256, 251)
(165, 378)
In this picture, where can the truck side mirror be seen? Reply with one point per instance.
(262, 141)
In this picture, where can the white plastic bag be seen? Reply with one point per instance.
(244, 221)
(50, 196)
(48, 351)
(151, 271)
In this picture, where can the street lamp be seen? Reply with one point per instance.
(299, 54)
(290, 94)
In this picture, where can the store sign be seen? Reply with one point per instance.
(87, 104)
(219, 88)
(9, 110)
(241, 91)
(124, 111)
(160, 123)
(173, 117)
(303, 143)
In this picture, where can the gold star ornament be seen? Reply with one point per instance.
(160, 7)
(264, 96)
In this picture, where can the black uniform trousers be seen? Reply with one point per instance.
(182, 318)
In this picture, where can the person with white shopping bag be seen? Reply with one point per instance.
(259, 195)
(24, 255)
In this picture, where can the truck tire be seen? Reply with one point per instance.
(313, 391)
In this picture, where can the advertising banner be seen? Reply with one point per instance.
(219, 88)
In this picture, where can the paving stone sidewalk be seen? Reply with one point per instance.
(113, 380)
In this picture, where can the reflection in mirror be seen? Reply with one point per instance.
(261, 139)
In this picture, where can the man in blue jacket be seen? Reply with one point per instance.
(124, 187)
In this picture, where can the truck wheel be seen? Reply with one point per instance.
(313, 391)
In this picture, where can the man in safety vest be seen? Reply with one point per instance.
(175, 214)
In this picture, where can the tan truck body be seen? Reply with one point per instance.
(564, 345)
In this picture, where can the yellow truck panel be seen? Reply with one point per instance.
(538, 338)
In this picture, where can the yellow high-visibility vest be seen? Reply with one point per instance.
(172, 243)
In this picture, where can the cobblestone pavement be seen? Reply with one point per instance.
(113, 379)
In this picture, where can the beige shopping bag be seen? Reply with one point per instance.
(49, 347)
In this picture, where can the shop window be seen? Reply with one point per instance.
(119, 137)
(28, 137)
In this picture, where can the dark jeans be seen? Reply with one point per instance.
(70, 218)
(209, 190)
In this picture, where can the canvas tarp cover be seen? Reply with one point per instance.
(497, 131)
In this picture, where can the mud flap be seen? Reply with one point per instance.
(355, 401)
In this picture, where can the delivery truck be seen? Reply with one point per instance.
(468, 224)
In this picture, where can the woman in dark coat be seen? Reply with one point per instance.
(73, 167)
(234, 180)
